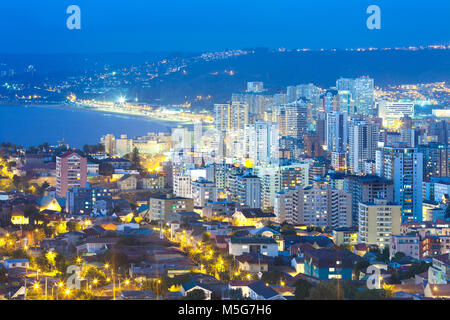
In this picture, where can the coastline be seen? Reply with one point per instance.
(105, 111)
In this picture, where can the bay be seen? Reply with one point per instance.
(34, 125)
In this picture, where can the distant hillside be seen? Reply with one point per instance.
(278, 70)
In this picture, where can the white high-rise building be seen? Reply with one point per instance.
(255, 87)
(293, 120)
(182, 185)
(363, 142)
(314, 206)
(275, 178)
(337, 131)
(291, 94)
(203, 191)
(404, 166)
(392, 112)
(109, 143)
(364, 96)
(124, 145)
(261, 141)
(198, 135)
(362, 92)
(378, 221)
(248, 191)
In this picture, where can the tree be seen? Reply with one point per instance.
(117, 259)
(327, 290)
(273, 277)
(346, 247)
(359, 267)
(236, 294)
(135, 160)
(32, 212)
(287, 229)
(398, 256)
(196, 294)
(60, 263)
(205, 237)
(20, 254)
(92, 273)
(367, 294)
(3, 273)
(73, 226)
(105, 169)
(385, 254)
(82, 295)
(302, 289)
(92, 149)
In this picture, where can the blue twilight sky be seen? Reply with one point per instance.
(39, 26)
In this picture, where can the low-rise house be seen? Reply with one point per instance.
(118, 163)
(194, 285)
(403, 264)
(260, 291)
(295, 245)
(361, 249)
(298, 263)
(16, 263)
(93, 168)
(253, 245)
(345, 236)
(439, 271)
(96, 245)
(58, 245)
(94, 231)
(152, 182)
(264, 232)
(286, 292)
(73, 237)
(222, 242)
(437, 291)
(253, 263)
(223, 209)
(127, 182)
(162, 207)
(329, 264)
(184, 217)
(302, 276)
(50, 202)
(241, 285)
(421, 278)
(19, 218)
(251, 217)
(407, 244)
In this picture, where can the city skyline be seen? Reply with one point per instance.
(311, 162)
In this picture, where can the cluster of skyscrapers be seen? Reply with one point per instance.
(331, 158)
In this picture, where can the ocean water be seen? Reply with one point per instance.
(34, 125)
